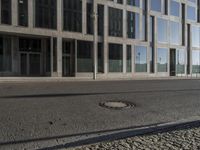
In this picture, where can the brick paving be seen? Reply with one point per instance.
(187, 139)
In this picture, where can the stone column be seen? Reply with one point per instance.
(59, 56)
(31, 13)
(95, 42)
(105, 40)
(14, 8)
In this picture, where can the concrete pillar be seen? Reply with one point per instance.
(59, 15)
(59, 56)
(105, 40)
(95, 42)
(84, 16)
(14, 8)
(31, 13)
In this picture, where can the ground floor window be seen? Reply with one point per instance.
(140, 59)
(100, 58)
(195, 61)
(128, 59)
(84, 56)
(5, 55)
(162, 59)
(180, 61)
(115, 58)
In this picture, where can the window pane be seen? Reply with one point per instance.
(195, 61)
(84, 57)
(191, 13)
(128, 59)
(23, 12)
(175, 8)
(195, 36)
(115, 22)
(133, 25)
(162, 30)
(156, 5)
(180, 61)
(140, 59)
(175, 33)
(162, 59)
(115, 58)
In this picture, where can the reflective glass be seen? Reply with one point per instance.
(162, 59)
(174, 8)
(140, 59)
(156, 5)
(175, 33)
(180, 61)
(195, 61)
(162, 30)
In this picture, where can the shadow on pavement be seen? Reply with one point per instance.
(109, 135)
(93, 94)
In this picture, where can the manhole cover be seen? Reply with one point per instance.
(116, 104)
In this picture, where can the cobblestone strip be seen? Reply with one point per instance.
(188, 139)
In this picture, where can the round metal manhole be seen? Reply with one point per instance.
(116, 104)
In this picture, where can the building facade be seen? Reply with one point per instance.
(99, 38)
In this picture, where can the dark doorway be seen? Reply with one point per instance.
(172, 62)
(69, 58)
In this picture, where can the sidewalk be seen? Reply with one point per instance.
(82, 79)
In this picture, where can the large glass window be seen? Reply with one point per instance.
(156, 5)
(6, 11)
(128, 59)
(72, 15)
(84, 57)
(195, 36)
(5, 55)
(134, 2)
(89, 18)
(133, 25)
(174, 8)
(23, 12)
(115, 22)
(180, 61)
(46, 14)
(195, 61)
(191, 13)
(100, 19)
(175, 33)
(140, 59)
(162, 59)
(162, 30)
(115, 58)
(100, 57)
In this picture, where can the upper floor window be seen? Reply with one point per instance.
(156, 5)
(133, 25)
(72, 15)
(115, 22)
(23, 12)
(46, 14)
(191, 13)
(6, 11)
(162, 30)
(174, 8)
(134, 2)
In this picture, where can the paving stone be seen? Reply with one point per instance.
(180, 139)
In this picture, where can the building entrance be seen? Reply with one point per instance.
(30, 57)
(68, 58)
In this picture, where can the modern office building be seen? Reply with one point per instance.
(99, 38)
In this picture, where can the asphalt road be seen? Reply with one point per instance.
(42, 115)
